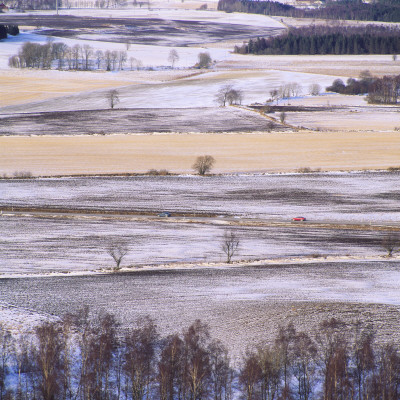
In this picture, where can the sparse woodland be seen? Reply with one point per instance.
(385, 90)
(86, 357)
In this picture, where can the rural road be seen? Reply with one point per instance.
(188, 218)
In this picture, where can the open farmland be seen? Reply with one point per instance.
(198, 120)
(275, 152)
(56, 232)
(350, 212)
(242, 305)
(150, 31)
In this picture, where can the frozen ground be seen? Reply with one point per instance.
(142, 120)
(80, 241)
(54, 244)
(349, 197)
(242, 305)
(196, 91)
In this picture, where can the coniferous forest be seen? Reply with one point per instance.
(380, 10)
(328, 40)
(88, 357)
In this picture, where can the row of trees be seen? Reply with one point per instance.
(82, 357)
(379, 10)
(59, 55)
(327, 40)
(385, 90)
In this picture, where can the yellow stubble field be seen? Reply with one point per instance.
(276, 152)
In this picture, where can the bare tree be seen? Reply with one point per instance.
(203, 164)
(230, 245)
(173, 57)
(227, 94)
(114, 59)
(274, 93)
(140, 358)
(315, 89)
(282, 117)
(108, 60)
(118, 251)
(204, 60)
(222, 95)
(87, 52)
(113, 97)
(47, 360)
(99, 58)
(391, 244)
(122, 57)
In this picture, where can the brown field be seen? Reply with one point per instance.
(45, 155)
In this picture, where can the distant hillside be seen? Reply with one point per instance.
(380, 10)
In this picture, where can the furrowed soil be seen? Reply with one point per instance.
(243, 306)
(186, 120)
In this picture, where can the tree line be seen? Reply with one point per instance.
(328, 40)
(385, 90)
(86, 357)
(61, 56)
(6, 30)
(380, 10)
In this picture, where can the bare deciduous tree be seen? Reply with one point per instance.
(113, 97)
(282, 117)
(203, 164)
(99, 58)
(173, 57)
(122, 57)
(87, 52)
(391, 244)
(118, 251)
(274, 93)
(204, 60)
(230, 245)
(227, 94)
(315, 89)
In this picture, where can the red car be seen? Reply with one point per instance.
(299, 219)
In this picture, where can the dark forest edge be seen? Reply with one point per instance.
(6, 30)
(380, 10)
(320, 39)
(90, 357)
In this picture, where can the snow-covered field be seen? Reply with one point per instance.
(80, 241)
(242, 305)
(347, 197)
(314, 276)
